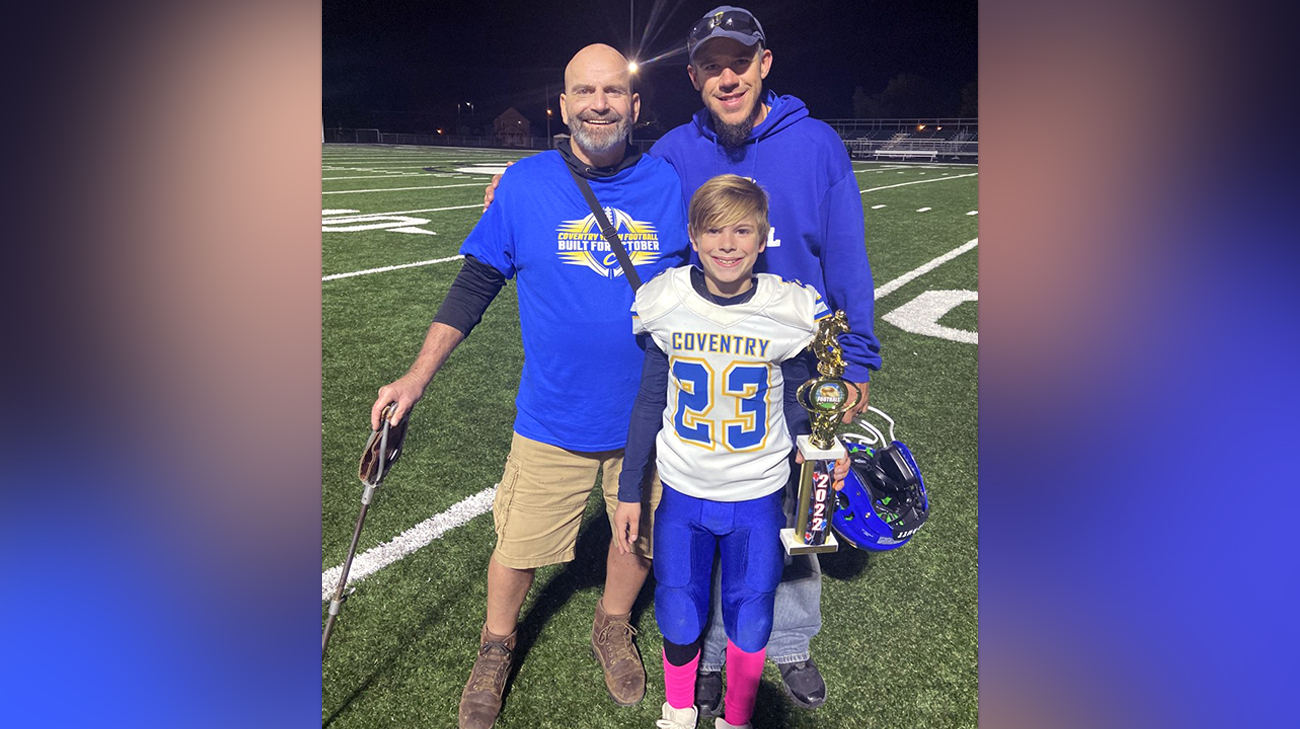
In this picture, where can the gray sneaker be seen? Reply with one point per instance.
(803, 683)
(708, 694)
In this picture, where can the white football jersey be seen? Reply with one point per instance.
(724, 436)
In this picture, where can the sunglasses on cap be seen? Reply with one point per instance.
(738, 21)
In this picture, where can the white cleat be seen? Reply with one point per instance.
(677, 718)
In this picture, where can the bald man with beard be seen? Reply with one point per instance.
(581, 368)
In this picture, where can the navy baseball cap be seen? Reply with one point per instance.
(725, 21)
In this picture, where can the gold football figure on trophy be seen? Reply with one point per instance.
(825, 398)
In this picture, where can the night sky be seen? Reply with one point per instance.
(404, 66)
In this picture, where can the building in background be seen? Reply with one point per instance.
(511, 129)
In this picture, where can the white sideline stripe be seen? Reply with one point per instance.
(897, 283)
(399, 189)
(334, 276)
(918, 182)
(420, 535)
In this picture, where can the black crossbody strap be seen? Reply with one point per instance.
(607, 230)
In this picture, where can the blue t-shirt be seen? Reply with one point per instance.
(582, 364)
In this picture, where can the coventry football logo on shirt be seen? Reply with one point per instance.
(579, 243)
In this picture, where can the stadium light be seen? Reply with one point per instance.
(632, 67)
(549, 140)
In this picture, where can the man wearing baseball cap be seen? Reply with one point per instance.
(816, 237)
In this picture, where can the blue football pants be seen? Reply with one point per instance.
(745, 535)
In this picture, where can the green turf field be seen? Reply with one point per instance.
(898, 645)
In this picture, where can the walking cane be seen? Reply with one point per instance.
(382, 450)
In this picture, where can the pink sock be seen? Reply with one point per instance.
(743, 671)
(679, 683)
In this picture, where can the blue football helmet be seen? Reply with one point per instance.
(883, 502)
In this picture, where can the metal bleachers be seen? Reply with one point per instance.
(925, 140)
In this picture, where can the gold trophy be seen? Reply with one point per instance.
(826, 398)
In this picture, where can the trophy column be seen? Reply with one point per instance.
(825, 398)
(810, 533)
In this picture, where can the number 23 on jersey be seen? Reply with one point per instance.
(728, 409)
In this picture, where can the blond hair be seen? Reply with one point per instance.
(725, 200)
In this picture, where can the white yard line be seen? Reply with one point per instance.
(399, 189)
(444, 162)
(917, 182)
(897, 283)
(335, 276)
(904, 167)
(422, 210)
(389, 175)
(376, 558)
(387, 163)
(419, 154)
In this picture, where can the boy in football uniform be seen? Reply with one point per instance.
(710, 415)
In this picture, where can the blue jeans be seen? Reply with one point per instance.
(797, 613)
(796, 616)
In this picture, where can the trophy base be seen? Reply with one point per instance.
(811, 452)
(794, 544)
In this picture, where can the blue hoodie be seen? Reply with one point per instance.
(817, 235)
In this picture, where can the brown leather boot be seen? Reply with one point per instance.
(480, 702)
(611, 641)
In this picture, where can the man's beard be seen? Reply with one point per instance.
(599, 141)
(734, 136)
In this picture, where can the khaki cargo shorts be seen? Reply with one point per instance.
(542, 495)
